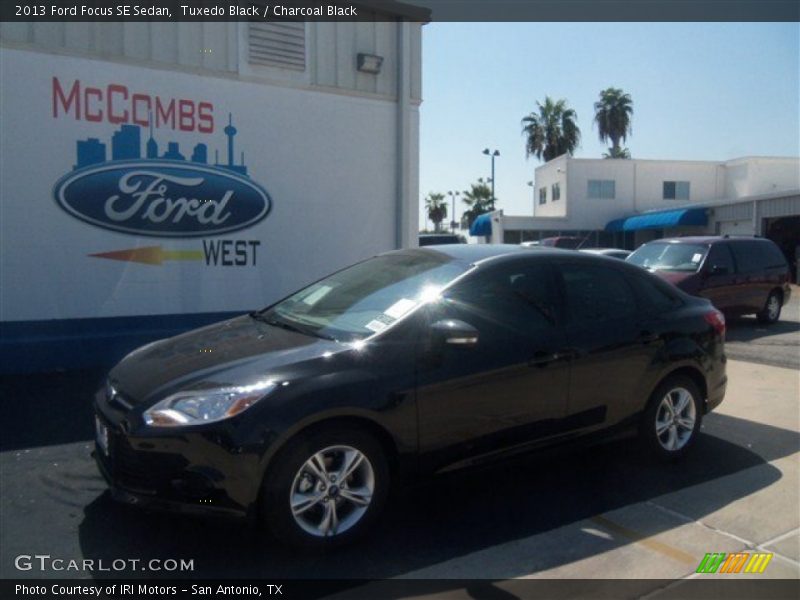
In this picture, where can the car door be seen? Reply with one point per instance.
(751, 285)
(510, 388)
(719, 279)
(611, 345)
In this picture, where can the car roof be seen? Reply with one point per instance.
(602, 250)
(477, 253)
(707, 239)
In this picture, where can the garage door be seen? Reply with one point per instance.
(735, 228)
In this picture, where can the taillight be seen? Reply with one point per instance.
(717, 320)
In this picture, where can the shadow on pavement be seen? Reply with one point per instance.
(452, 515)
(748, 329)
(47, 409)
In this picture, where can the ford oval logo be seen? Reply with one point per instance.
(162, 198)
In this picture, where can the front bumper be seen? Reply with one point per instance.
(154, 502)
(201, 472)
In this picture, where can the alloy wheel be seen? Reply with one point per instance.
(773, 307)
(332, 491)
(675, 419)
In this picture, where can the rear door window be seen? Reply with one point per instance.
(596, 293)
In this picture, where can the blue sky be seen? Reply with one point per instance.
(701, 91)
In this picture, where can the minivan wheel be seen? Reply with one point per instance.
(326, 488)
(772, 309)
(672, 418)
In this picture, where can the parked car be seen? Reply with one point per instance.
(530, 244)
(563, 241)
(612, 252)
(739, 275)
(411, 362)
(435, 239)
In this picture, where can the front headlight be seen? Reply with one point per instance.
(195, 407)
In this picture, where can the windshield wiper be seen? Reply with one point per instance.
(258, 316)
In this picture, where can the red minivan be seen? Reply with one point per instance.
(740, 275)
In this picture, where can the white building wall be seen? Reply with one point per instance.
(760, 175)
(705, 182)
(221, 47)
(337, 151)
(552, 172)
(585, 212)
(730, 189)
(639, 186)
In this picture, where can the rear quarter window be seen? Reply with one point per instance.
(596, 293)
(755, 255)
(771, 255)
(653, 294)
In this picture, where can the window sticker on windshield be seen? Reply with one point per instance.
(399, 308)
(317, 295)
(376, 326)
(697, 257)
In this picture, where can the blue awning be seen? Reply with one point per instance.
(482, 225)
(660, 220)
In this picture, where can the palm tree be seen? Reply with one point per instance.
(436, 206)
(552, 131)
(617, 153)
(478, 200)
(613, 114)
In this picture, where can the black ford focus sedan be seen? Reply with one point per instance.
(415, 361)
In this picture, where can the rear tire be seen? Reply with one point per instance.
(326, 488)
(772, 309)
(672, 418)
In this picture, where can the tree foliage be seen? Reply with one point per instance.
(551, 130)
(436, 208)
(613, 115)
(478, 200)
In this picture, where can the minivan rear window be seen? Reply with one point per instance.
(753, 255)
(659, 256)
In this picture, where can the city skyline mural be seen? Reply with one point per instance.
(126, 144)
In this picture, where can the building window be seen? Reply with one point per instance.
(676, 190)
(556, 189)
(278, 44)
(605, 189)
(543, 195)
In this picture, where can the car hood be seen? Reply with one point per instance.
(233, 352)
(674, 277)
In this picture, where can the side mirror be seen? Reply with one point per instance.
(719, 270)
(453, 331)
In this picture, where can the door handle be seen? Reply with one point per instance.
(542, 359)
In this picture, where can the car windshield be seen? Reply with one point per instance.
(669, 257)
(366, 298)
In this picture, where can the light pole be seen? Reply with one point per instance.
(492, 154)
(453, 195)
(533, 197)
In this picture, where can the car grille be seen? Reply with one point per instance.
(138, 471)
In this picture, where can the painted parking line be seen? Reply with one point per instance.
(645, 540)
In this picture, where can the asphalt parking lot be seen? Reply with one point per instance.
(604, 513)
(775, 344)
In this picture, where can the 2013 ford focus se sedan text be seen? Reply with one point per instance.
(413, 361)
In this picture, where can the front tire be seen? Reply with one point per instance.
(672, 419)
(326, 488)
(772, 309)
